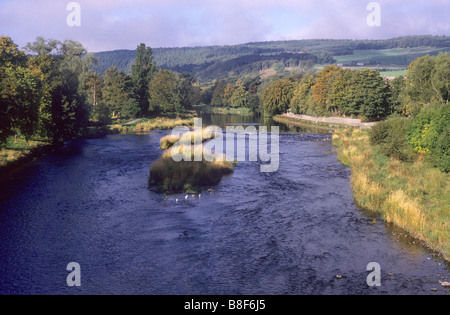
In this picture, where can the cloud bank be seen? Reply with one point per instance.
(121, 24)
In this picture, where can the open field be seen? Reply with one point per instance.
(389, 57)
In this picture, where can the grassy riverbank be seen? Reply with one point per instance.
(157, 123)
(224, 110)
(412, 195)
(16, 151)
(319, 126)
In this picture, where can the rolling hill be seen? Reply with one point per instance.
(220, 62)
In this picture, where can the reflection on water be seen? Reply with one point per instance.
(289, 232)
(232, 120)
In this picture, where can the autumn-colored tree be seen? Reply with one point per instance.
(239, 97)
(337, 92)
(276, 99)
(302, 101)
(321, 88)
(217, 96)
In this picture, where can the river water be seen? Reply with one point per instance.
(286, 233)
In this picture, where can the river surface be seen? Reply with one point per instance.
(285, 233)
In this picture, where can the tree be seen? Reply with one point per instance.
(63, 112)
(368, 95)
(418, 91)
(217, 96)
(188, 93)
(163, 93)
(227, 94)
(321, 88)
(302, 101)
(337, 92)
(396, 86)
(276, 99)
(19, 92)
(239, 97)
(142, 72)
(93, 87)
(375, 103)
(117, 91)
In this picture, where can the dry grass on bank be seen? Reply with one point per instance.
(414, 196)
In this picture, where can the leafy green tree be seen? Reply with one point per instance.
(321, 88)
(117, 91)
(396, 103)
(93, 87)
(63, 111)
(302, 101)
(429, 133)
(276, 99)
(367, 95)
(227, 94)
(337, 92)
(376, 95)
(188, 93)
(163, 93)
(217, 96)
(239, 97)
(142, 72)
(19, 92)
(428, 82)
(102, 114)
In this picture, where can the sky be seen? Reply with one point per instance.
(123, 24)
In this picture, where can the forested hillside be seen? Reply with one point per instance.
(221, 62)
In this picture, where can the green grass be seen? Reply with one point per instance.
(16, 149)
(415, 196)
(225, 110)
(158, 123)
(388, 57)
(396, 73)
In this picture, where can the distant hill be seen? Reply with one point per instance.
(220, 62)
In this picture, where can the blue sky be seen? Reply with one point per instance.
(123, 24)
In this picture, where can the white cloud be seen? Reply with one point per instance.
(160, 23)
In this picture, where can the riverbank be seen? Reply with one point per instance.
(224, 110)
(413, 196)
(157, 123)
(322, 122)
(16, 152)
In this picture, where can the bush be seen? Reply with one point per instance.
(429, 133)
(391, 137)
(440, 152)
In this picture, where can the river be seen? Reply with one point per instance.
(286, 233)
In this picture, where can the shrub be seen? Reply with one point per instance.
(429, 133)
(391, 137)
(440, 151)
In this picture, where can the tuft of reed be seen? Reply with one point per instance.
(170, 176)
(169, 141)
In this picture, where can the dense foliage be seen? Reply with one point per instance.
(219, 62)
(425, 99)
(53, 94)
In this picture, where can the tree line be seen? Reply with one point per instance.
(52, 93)
(341, 92)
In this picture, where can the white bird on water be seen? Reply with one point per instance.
(177, 200)
(186, 197)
